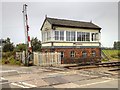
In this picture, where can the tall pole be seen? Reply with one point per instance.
(27, 37)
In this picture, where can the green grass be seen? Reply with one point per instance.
(112, 54)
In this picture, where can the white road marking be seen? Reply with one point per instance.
(7, 71)
(27, 84)
(15, 84)
(2, 78)
(23, 83)
(95, 83)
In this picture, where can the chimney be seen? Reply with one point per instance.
(46, 16)
(90, 21)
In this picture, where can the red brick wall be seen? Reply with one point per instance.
(78, 51)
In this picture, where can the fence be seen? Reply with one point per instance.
(47, 59)
(20, 56)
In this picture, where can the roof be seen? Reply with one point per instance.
(71, 23)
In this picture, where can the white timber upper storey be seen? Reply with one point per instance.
(69, 31)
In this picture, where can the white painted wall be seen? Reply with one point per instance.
(46, 26)
(72, 44)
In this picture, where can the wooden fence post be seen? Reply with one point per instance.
(23, 57)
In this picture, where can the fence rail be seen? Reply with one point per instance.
(20, 56)
(47, 59)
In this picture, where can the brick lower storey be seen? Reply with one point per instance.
(78, 58)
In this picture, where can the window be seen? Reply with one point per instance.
(83, 36)
(61, 35)
(72, 54)
(93, 53)
(84, 54)
(48, 35)
(45, 37)
(67, 36)
(87, 36)
(73, 36)
(79, 36)
(42, 36)
(95, 36)
(62, 54)
(70, 36)
(56, 35)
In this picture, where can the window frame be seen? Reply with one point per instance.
(93, 54)
(84, 54)
(62, 54)
(61, 35)
(72, 54)
(87, 37)
(69, 36)
(94, 36)
(57, 33)
(73, 36)
(79, 36)
(83, 36)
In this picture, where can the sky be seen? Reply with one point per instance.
(103, 14)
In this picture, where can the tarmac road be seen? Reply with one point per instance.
(45, 77)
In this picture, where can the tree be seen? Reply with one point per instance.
(117, 45)
(36, 44)
(7, 45)
(20, 47)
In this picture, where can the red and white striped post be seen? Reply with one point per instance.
(27, 37)
(29, 44)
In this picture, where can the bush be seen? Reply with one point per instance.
(7, 54)
(12, 61)
(18, 63)
(5, 61)
(8, 58)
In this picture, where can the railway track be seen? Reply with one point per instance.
(98, 65)
(108, 64)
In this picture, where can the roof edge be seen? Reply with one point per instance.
(68, 26)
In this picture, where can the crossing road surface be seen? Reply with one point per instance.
(51, 77)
